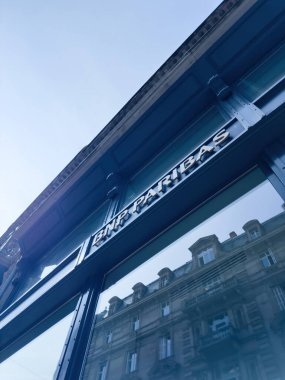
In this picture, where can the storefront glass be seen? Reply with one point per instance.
(207, 304)
(64, 254)
(38, 359)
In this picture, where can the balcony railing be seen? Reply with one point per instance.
(221, 342)
(217, 336)
(227, 288)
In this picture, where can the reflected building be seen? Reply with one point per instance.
(149, 216)
(220, 316)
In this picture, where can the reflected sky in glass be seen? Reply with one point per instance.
(261, 203)
(38, 359)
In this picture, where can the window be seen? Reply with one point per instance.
(165, 347)
(165, 277)
(165, 309)
(200, 298)
(114, 305)
(137, 296)
(254, 233)
(219, 323)
(206, 256)
(64, 254)
(163, 281)
(102, 371)
(136, 323)
(279, 296)
(112, 309)
(239, 317)
(109, 336)
(132, 362)
(42, 354)
(139, 291)
(267, 259)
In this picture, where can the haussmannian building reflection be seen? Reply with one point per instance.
(220, 316)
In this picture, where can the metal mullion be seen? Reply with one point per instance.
(272, 163)
(71, 364)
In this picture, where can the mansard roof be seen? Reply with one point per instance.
(230, 245)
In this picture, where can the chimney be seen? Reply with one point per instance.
(233, 234)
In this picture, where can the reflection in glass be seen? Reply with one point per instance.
(131, 362)
(102, 371)
(38, 360)
(267, 74)
(211, 303)
(200, 129)
(165, 347)
(34, 271)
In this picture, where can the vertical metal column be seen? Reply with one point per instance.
(273, 164)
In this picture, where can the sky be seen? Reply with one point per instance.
(67, 67)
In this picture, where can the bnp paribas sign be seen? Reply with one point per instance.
(171, 179)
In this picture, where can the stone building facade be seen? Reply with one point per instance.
(219, 316)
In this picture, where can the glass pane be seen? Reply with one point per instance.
(264, 76)
(199, 131)
(206, 302)
(35, 272)
(39, 272)
(38, 359)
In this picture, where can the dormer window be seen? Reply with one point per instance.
(115, 304)
(205, 250)
(166, 276)
(253, 229)
(254, 233)
(139, 291)
(206, 256)
(164, 281)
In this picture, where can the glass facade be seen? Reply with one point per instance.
(169, 226)
(63, 257)
(199, 313)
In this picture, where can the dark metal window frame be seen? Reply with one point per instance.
(270, 159)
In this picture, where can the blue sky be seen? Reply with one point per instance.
(66, 68)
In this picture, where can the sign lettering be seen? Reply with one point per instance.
(162, 186)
